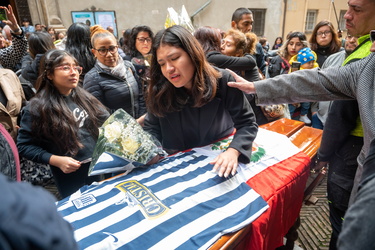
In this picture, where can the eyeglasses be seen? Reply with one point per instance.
(142, 40)
(327, 32)
(103, 51)
(67, 68)
(372, 36)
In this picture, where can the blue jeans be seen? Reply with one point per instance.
(305, 106)
(316, 122)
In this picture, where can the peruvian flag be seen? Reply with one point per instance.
(280, 177)
(278, 171)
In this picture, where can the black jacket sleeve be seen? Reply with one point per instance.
(28, 146)
(231, 62)
(261, 63)
(30, 68)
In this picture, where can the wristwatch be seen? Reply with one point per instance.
(16, 31)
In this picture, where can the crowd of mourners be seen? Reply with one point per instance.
(57, 88)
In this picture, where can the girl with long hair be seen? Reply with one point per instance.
(190, 105)
(324, 41)
(79, 45)
(140, 44)
(280, 64)
(59, 126)
(39, 43)
(278, 43)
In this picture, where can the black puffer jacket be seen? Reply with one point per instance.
(278, 66)
(244, 66)
(30, 67)
(115, 92)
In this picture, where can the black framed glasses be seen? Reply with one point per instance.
(326, 33)
(372, 36)
(104, 51)
(67, 68)
(142, 39)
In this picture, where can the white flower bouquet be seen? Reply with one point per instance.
(123, 145)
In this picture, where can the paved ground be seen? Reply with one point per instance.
(315, 229)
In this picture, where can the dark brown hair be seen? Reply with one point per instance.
(209, 38)
(133, 38)
(334, 45)
(162, 96)
(39, 43)
(52, 118)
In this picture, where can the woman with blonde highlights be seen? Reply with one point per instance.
(112, 80)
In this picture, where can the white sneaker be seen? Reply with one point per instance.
(305, 119)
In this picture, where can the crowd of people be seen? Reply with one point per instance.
(175, 85)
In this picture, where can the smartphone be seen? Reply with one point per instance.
(3, 15)
(295, 66)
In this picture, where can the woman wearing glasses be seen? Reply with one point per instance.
(324, 41)
(112, 80)
(140, 44)
(59, 126)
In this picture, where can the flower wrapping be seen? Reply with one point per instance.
(182, 18)
(123, 145)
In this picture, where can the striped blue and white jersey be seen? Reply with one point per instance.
(178, 203)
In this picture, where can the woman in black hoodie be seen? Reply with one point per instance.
(59, 126)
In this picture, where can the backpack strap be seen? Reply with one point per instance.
(13, 146)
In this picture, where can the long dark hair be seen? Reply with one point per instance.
(39, 43)
(276, 46)
(79, 45)
(209, 38)
(334, 45)
(133, 37)
(53, 120)
(283, 50)
(126, 38)
(162, 96)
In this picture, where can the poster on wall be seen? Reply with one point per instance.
(83, 17)
(104, 18)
